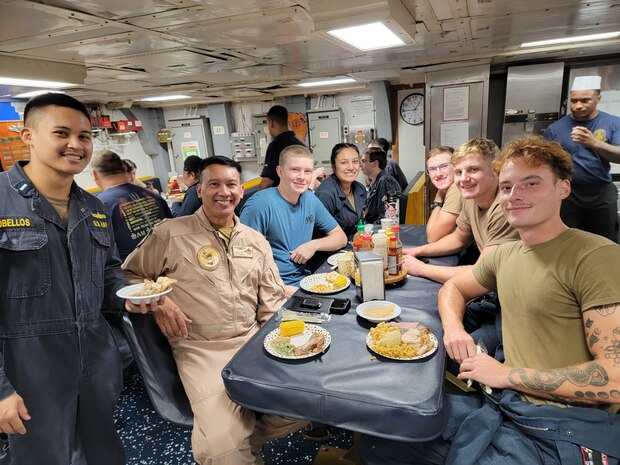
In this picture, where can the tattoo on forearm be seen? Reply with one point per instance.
(589, 323)
(612, 351)
(613, 394)
(606, 310)
(594, 338)
(549, 380)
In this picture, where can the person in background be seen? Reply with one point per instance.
(134, 210)
(190, 177)
(373, 166)
(60, 372)
(447, 204)
(131, 170)
(555, 399)
(289, 216)
(592, 137)
(392, 168)
(282, 137)
(342, 195)
(227, 287)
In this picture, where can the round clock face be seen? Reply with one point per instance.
(412, 109)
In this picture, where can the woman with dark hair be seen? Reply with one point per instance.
(342, 195)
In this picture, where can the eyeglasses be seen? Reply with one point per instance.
(443, 167)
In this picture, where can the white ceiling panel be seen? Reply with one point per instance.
(216, 50)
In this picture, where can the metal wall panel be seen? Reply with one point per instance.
(532, 99)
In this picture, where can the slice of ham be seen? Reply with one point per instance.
(314, 345)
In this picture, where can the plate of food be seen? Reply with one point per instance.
(402, 341)
(378, 310)
(147, 290)
(325, 283)
(333, 259)
(295, 340)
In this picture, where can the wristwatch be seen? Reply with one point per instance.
(436, 204)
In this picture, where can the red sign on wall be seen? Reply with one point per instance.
(12, 148)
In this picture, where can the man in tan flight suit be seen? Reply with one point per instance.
(228, 285)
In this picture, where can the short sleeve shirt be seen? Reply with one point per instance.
(489, 227)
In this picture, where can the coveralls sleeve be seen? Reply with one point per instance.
(114, 279)
(190, 204)
(324, 221)
(327, 198)
(271, 294)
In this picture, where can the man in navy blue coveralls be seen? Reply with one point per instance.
(60, 372)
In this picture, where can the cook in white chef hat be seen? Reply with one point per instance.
(587, 83)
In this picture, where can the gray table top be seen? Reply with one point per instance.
(346, 386)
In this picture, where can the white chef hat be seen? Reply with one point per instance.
(587, 83)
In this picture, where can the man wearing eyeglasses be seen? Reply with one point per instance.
(448, 203)
(481, 219)
(374, 161)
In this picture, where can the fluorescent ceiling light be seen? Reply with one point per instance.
(7, 81)
(570, 40)
(326, 82)
(163, 98)
(34, 93)
(368, 36)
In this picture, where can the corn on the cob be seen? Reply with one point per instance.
(340, 281)
(291, 328)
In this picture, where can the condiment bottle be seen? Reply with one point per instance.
(393, 265)
(366, 242)
(396, 231)
(380, 246)
(357, 239)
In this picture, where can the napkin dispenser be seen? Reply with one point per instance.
(369, 284)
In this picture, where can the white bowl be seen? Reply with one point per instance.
(127, 291)
(361, 309)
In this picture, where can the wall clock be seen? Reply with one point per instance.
(412, 109)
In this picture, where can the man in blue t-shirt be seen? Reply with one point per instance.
(592, 138)
(289, 215)
(134, 210)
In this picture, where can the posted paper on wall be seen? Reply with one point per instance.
(454, 134)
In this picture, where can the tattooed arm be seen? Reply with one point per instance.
(597, 381)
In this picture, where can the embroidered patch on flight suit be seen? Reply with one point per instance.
(600, 134)
(209, 258)
(99, 221)
(243, 251)
(15, 222)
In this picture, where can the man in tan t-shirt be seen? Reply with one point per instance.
(448, 203)
(550, 402)
(481, 219)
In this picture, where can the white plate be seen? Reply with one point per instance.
(417, 357)
(127, 291)
(319, 278)
(361, 308)
(297, 341)
(333, 259)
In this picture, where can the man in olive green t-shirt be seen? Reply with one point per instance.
(554, 400)
(481, 219)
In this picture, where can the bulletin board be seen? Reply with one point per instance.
(12, 148)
